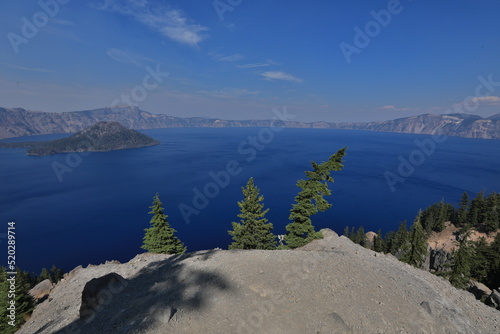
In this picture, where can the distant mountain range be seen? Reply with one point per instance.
(100, 137)
(16, 122)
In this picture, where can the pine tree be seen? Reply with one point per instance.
(346, 232)
(476, 211)
(463, 207)
(398, 240)
(253, 231)
(378, 242)
(360, 237)
(491, 215)
(480, 263)
(461, 267)
(310, 200)
(444, 214)
(160, 237)
(493, 274)
(418, 244)
(23, 301)
(57, 273)
(45, 275)
(352, 233)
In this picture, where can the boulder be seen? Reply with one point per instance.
(479, 290)
(42, 290)
(439, 259)
(100, 290)
(494, 299)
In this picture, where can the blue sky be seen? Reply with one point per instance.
(245, 58)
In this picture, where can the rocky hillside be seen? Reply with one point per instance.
(19, 122)
(100, 137)
(329, 286)
(458, 125)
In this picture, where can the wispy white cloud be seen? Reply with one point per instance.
(229, 93)
(127, 57)
(278, 75)
(31, 69)
(253, 65)
(488, 100)
(262, 64)
(393, 108)
(172, 23)
(231, 58)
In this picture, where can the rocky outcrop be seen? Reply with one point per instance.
(458, 125)
(494, 299)
(18, 122)
(97, 292)
(479, 290)
(439, 259)
(329, 286)
(42, 290)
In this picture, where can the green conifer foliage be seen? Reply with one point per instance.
(160, 237)
(360, 237)
(57, 273)
(492, 213)
(476, 211)
(418, 244)
(378, 242)
(463, 207)
(310, 200)
(461, 267)
(23, 301)
(253, 231)
(45, 275)
(346, 232)
(397, 241)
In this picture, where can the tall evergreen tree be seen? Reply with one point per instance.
(461, 217)
(480, 260)
(352, 233)
(160, 237)
(310, 200)
(418, 244)
(397, 241)
(253, 231)
(461, 267)
(346, 232)
(491, 214)
(476, 211)
(378, 242)
(45, 275)
(57, 273)
(23, 300)
(360, 237)
(493, 275)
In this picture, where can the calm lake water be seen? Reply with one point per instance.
(99, 210)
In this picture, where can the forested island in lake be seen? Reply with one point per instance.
(101, 137)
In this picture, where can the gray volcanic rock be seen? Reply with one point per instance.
(42, 289)
(329, 286)
(18, 122)
(97, 291)
(494, 299)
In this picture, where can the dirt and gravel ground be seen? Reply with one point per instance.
(329, 286)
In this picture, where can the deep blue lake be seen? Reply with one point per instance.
(99, 210)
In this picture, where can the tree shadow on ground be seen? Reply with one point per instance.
(158, 294)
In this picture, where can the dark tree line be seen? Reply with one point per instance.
(24, 281)
(471, 260)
